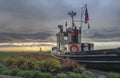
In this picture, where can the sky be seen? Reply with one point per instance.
(31, 16)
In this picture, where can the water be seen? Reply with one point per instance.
(106, 45)
(46, 46)
(24, 46)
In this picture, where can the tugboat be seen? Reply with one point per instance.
(69, 45)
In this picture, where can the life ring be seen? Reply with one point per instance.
(74, 48)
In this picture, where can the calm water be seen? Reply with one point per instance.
(46, 46)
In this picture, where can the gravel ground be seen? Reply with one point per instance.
(97, 73)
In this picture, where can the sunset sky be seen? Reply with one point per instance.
(30, 16)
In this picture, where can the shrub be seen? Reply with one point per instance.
(79, 69)
(28, 64)
(36, 74)
(48, 65)
(87, 74)
(31, 62)
(5, 72)
(25, 73)
(34, 61)
(74, 75)
(25, 66)
(20, 73)
(69, 65)
(2, 68)
(113, 75)
(14, 61)
(38, 65)
(14, 71)
(19, 61)
(61, 75)
(9, 61)
(101, 76)
(46, 75)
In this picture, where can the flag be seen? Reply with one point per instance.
(86, 15)
(88, 25)
(66, 24)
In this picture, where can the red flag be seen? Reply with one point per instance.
(86, 16)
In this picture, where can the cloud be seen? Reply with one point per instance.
(29, 16)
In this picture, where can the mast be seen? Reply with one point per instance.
(81, 23)
(74, 33)
(72, 14)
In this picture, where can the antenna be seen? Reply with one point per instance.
(72, 14)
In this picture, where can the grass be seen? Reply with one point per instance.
(101, 76)
(7, 54)
(87, 74)
(75, 75)
(113, 75)
(61, 75)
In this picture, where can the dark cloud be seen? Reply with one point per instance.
(28, 16)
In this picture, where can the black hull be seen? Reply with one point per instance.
(99, 61)
(102, 65)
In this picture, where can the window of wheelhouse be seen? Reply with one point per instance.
(65, 36)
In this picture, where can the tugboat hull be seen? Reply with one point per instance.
(103, 65)
(99, 61)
